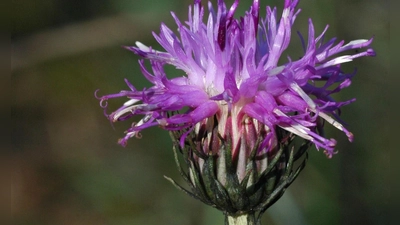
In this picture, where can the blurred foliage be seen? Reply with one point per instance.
(68, 168)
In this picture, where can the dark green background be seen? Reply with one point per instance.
(68, 169)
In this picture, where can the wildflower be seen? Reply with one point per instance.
(236, 107)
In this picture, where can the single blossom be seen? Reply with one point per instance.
(234, 82)
(237, 105)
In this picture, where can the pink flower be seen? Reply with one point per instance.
(232, 71)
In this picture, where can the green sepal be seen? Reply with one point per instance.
(215, 191)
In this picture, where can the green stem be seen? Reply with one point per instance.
(243, 219)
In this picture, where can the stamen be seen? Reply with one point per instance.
(121, 112)
(335, 123)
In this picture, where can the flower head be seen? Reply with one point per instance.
(234, 77)
(237, 105)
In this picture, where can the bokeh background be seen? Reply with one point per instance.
(68, 169)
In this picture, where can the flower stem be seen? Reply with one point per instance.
(243, 219)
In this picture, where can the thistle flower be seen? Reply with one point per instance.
(236, 93)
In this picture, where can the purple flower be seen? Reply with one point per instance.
(233, 76)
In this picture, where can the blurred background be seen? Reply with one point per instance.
(68, 169)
